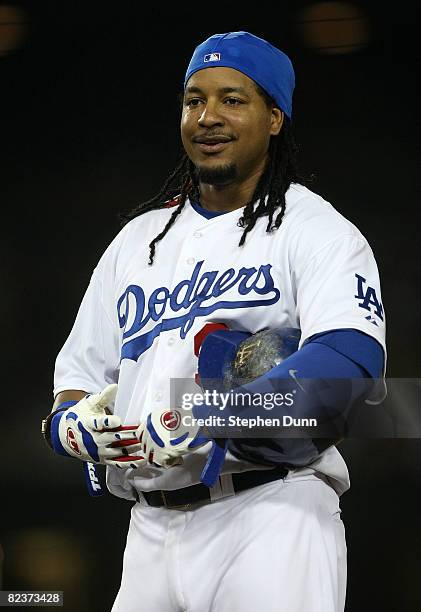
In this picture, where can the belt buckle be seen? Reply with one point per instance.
(172, 506)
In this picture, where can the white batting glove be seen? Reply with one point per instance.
(167, 435)
(87, 432)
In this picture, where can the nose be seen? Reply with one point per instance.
(210, 116)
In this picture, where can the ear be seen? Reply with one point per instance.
(276, 121)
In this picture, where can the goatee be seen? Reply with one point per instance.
(217, 176)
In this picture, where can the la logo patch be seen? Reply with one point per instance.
(369, 300)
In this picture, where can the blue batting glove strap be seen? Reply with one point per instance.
(216, 457)
(55, 439)
(93, 483)
(214, 463)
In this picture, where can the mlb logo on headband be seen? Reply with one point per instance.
(212, 57)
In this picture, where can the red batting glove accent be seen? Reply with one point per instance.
(125, 458)
(119, 443)
(124, 428)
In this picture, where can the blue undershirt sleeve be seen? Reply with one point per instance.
(356, 346)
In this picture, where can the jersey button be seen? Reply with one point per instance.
(158, 396)
(197, 235)
(171, 341)
(191, 261)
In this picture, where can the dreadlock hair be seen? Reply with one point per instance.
(268, 198)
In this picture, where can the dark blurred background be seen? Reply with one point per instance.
(89, 127)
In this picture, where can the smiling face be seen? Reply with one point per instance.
(226, 125)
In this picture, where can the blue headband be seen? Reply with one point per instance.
(266, 65)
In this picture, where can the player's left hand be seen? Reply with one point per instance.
(167, 435)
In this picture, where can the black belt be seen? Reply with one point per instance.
(199, 492)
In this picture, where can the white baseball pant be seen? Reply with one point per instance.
(278, 547)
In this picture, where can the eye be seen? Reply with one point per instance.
(193, 102)
(233, 101)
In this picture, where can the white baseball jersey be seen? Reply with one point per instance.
(136, 324)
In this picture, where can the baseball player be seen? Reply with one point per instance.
(233, 243)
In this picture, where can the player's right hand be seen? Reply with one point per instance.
(87, 432)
